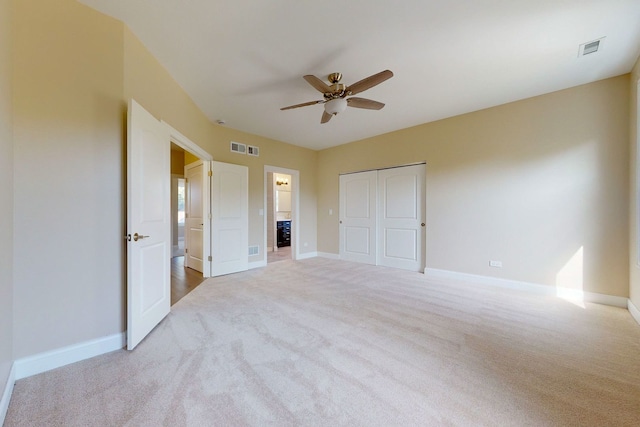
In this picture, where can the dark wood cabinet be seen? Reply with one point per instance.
(284, 233)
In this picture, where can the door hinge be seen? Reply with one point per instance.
(186, 180)
(186, 250)
(210, 259)
(209, 216)
(210, 173)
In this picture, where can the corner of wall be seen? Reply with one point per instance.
(634, 213)
(635, 313)
(7, 377)
(5, 398)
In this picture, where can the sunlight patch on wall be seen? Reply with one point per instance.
(570, 280)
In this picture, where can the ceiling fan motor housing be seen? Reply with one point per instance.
(338, 90)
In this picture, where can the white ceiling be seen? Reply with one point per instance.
(242, 60)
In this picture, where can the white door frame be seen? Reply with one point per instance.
(295, 209)
(185, 143)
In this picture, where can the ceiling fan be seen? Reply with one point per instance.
(335, 96)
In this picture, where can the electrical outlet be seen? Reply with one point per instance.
(497, 264)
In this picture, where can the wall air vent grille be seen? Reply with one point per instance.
(254, 250)
(239, 148)
(253, 151)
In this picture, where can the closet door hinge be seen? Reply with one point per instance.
(210, 259)
(210, 173)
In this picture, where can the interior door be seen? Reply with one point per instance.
(401, 217)
(148, 223)
(358, 217)
(194, 221)
(230, 218)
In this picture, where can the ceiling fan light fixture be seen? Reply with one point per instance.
(335, 106)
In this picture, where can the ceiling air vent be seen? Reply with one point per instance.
(239, 148)
(590, 47)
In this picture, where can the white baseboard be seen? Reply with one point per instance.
(6, 395)
(307, 255)
(32, 365)
(328, 255)
(529, 287)
(635, 313)
(257, 264)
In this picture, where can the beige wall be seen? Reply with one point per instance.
(73, 72)
(177, 162)
(540, 184)
(189, 158)
(68, 130)
(6, 196)
(634, 283)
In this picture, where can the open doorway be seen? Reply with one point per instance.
(185, 276)
(279, 217)
(281, 196)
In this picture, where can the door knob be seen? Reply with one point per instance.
(137, 237)
(422, 224)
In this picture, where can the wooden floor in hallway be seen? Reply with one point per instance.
(183, 279)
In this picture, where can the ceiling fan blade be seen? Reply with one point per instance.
(369, 82)
(364, 103)
(325, 117)
(304, 104)
(317, 83)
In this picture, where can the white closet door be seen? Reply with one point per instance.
(400, 216)
(358, 217)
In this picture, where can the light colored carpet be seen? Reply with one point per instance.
(322, 342)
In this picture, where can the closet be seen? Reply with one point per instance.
(382, 217)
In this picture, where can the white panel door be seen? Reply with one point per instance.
(401, 215)
(148, 224)
(358, 217)
(230, 218)
(194, 221)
